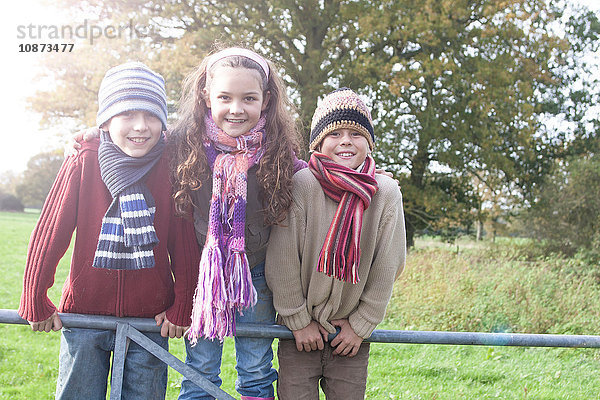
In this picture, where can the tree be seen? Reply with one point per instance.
(9, 181)
(309, 39)
(38, 178)
(466, 86)
(496, 205)
(456, 86)
(567, 211)
(9, 202)
(76, 79)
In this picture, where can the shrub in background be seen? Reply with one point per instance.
(567, 211)
(506, 287)
(9, 202)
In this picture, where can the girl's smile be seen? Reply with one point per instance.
(236, 100)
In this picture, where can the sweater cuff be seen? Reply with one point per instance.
(361, 326)
(297, 321)
(36, 312)
(180, 314)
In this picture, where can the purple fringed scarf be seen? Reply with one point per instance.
(224, 281)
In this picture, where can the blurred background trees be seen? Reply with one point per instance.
(478, 104)
(567, 210)
(38, 178)
(30, 188)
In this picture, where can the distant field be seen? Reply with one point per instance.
(478, 288)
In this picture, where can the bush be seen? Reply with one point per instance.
(567, 211)
(507, 287)
(9, 202)
(39, 177)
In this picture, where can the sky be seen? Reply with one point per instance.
(21, 135)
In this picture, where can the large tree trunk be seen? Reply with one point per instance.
(419, 166)
(479, 230)
(410, 234)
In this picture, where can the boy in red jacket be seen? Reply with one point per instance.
(133, 257)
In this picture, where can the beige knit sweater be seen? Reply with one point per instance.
(300, 293)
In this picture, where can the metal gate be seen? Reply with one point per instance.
(132, 328)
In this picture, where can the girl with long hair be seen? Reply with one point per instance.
(235, 146)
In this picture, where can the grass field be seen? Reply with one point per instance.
(480, 288)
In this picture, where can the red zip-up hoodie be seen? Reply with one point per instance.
(77, 202)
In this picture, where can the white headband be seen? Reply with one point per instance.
(238, 51)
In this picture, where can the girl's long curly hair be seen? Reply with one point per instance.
(276, 167)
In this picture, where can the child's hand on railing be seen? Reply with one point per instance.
(53, 323)
(310, 338)
(347, 342)
(169, 329)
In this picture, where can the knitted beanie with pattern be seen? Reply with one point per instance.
(340, 109)
(131, 87)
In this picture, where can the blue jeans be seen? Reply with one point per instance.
(84, 363)
(253, 356)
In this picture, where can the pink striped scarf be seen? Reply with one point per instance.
(224, 281)
(353, 190)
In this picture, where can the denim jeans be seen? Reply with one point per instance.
(84, 363)
(254, 356)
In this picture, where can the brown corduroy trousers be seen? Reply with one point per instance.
(300, 373)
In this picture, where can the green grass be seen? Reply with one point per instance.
(478, 287)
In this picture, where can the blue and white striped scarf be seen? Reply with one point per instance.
(127, 236)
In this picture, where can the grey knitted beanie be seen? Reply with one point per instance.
(132, 86)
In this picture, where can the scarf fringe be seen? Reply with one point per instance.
(341, 268)
(240, 289)
(211, 315)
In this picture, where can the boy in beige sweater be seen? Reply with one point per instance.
(332, 263)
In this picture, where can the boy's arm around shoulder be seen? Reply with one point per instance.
(283, 262)
(185, 257)
(50, 240)
(388, 262)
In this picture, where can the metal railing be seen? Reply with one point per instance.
(131, 328)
